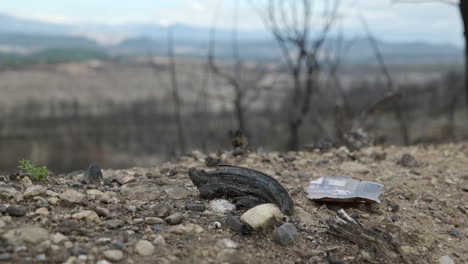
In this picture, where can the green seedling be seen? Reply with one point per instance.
(36, 173)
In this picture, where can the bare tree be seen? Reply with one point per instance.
(300, 33)
(245, 82)
(463, 8)
(175, 92)
(391, 85)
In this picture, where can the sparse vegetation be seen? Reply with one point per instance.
(37, 173)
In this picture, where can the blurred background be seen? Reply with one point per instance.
(129, 83)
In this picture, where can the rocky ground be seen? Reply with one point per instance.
(155, 215)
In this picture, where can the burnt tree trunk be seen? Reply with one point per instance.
(464, 15)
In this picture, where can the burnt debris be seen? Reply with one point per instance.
(231, 181)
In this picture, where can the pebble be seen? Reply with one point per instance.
(113, 254)
(26, 182)
(15, 211)
(42, 203)
(5, 257)
(58, 237)
(230, 255)
(394, 218)
(285, 234)
(227, 243)
(53, 200)
(262, 216)
(354, 167)
(144, 248)
(42, 211)
(456, 233)
(221, 206)
(88, 215)
(161, 210)
(27, 234)
(195, 207)
(175, 218)
(193, 228)
(446, 260)
(34, 190)
(176, 192)
(7, 191)
(159, 241)
(158, 228)
(124, 177)
(131, 208)
(154, 220)
(142, 191)
(73, 197)
(114, 223)
(93, 175)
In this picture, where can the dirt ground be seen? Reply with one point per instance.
(424, 207)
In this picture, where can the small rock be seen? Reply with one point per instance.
(103, 240)
(53, 200)
(465, 188)
(15, 211)
(101, 211)
(58, 238)
(7, 191)
(124, 177)
(2, 223)
(154, 220)
(73, 197)
(113, 255)
(114, 223)
(394, 218)
(159, 241)
(175, 219)
(88, 215)
(456, 233)
(93, 175)
(144, 248)
(143, 191)
(230, 255)
(131, 208)
(393, 207)
(177, 229)
(42, 211)
(34, 190)
(51, 193)
(227, 243)
(42, 203)
(354, 167)
(193, 228)
(5, 257)
(262, 216)
(407, 160)
(26, 182)
(176, 192)
(161, 210)
(28, 234)
(446, 260)
(195, 207)
(285, 234)
(103, 261)
(221, 206)
(157, 228)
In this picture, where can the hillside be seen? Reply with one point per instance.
(424, 210)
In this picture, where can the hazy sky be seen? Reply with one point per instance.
(434, 22)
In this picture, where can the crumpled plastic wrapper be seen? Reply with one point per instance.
(343, 189)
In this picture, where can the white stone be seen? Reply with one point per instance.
(262, 216)
(446, 260)
(113, 255)
(144, 248)
(89, 215)
(221, 206)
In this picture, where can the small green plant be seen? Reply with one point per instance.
(37, 173)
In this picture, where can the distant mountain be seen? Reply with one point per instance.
(29, 36)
